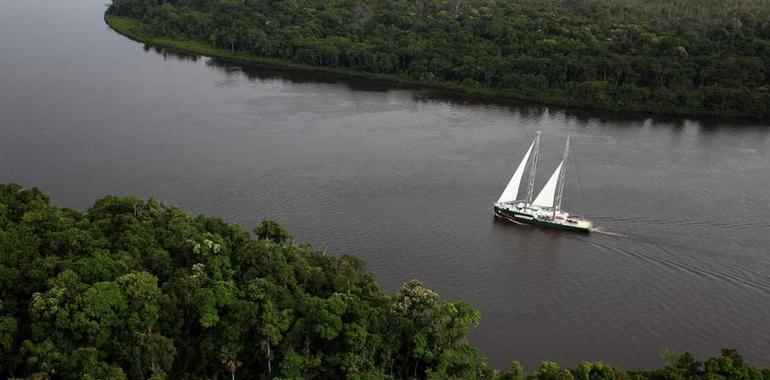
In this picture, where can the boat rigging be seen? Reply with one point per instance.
(545, 210)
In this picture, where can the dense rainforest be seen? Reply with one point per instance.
(135, 289)
(708, 57)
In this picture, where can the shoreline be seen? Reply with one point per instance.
(131, 28)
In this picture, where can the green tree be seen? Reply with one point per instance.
(226, 305)
(686, 56)
(271, 230)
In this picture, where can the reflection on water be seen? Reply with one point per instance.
(405, 177)
(169, 54)
(257, 72)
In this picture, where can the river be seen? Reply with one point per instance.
(406, 178)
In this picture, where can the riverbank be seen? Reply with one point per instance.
(120, 265)
(136, 30)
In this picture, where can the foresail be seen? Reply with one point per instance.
(512, 190)
(546, 196)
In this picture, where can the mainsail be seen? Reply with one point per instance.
(512, 190)
(546, 196)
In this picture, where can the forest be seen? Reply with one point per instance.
(135, 289)
(699, 57)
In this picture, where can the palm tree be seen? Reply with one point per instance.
(230, 360)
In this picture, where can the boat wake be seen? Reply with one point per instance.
(601, 231)
(730, 225)
(678, 257)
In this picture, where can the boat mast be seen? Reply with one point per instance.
(560, 192)
(531, 186)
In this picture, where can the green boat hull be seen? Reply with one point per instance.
(517, 217)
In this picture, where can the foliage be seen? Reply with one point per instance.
(134, 289)
(682, 56)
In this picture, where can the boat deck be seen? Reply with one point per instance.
(577, 222)
(530, 214)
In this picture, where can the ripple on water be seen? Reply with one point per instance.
(405, 178)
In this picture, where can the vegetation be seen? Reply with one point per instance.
(134, 289)
(683, 56)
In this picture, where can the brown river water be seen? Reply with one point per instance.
(406, 178)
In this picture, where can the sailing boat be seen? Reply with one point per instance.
(545, 210)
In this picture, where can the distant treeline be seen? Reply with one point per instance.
(668, 56)
(134, 289)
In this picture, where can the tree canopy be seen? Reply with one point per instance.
(683, 56)
(134, 289)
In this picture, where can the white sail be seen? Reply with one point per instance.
(546, 196)
(512, 190)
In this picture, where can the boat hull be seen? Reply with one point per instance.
(520, 217)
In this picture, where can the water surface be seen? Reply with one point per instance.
(406, 178)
